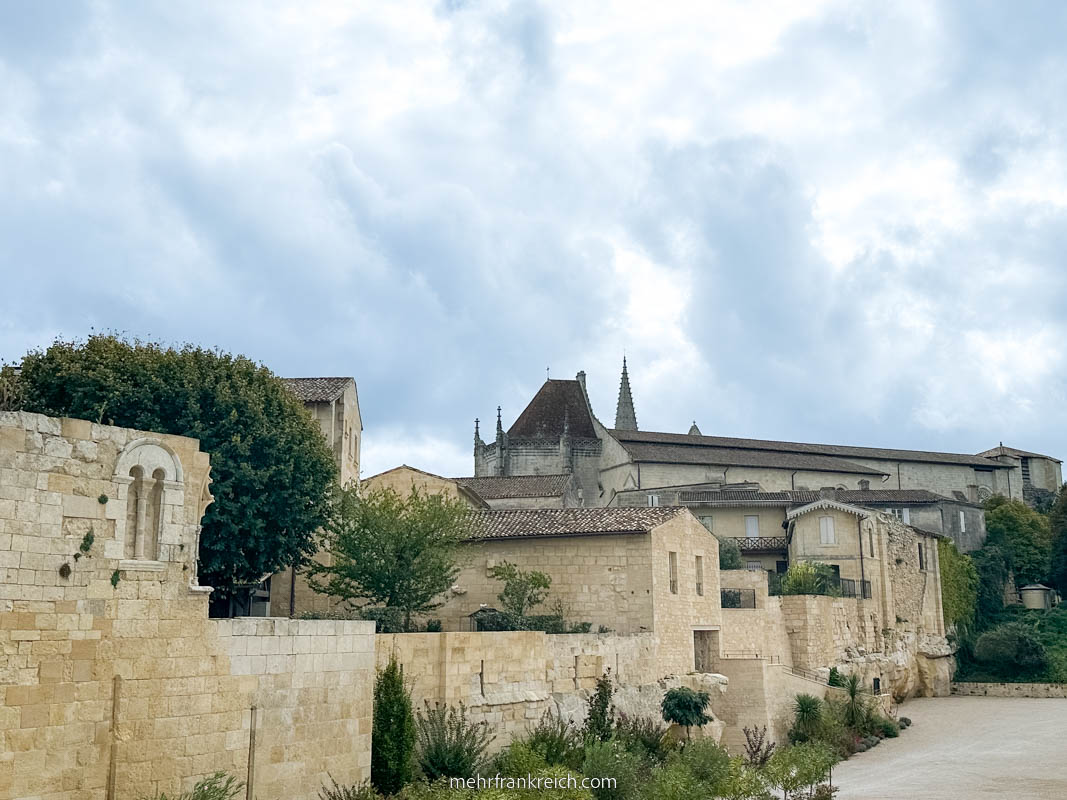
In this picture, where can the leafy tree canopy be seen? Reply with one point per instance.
(272, 474)
(393, 551)
(1023, 535)
(730, 554)
(523, 589)
(1058, 523)
(685, 706)
(959, 585)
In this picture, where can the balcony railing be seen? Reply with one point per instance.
(762, 544)
(738, 598)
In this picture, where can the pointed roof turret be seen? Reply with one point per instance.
(694, 430)
(625, 417)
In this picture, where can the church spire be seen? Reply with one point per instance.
(625, 417)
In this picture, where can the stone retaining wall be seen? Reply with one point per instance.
(1046, 690)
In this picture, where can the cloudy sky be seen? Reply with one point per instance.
(821, 221)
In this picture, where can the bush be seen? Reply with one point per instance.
(809, 577)
(730, 554)
(353, 791)
(612, 760)
(707, 762)
(556, 740)
(807, 714)
(836, 678)
(386, 620)
(684, 706)
(673, 782)
(757, 749)
(1012, 647)
(393, 734)
(219, 786)
(887, 728)
(600, 716)
(646, 737)
(959, 585)
(518, 760)
(450, 745)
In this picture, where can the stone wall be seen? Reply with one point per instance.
(111, 674)
(1047, 690)
(511, 679)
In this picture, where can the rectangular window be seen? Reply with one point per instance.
(1026, 470)
(672, 570)
(755, 566)
(781, 566)
(826, 531)
(700, 575)
(922, 556)
(752, 527)
(963, 523)
(903, 514)
(708, 522)
(653, 500)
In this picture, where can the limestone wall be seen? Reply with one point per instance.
(510, 679)
(111, 674)
(1054, 690)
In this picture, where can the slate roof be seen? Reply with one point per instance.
(732, 456)
(631, 439)
(543, 417)
(860, 497)
(317, 390)
(501, 487)
(1011, 451)
(552, 522)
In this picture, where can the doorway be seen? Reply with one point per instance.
(705, 650)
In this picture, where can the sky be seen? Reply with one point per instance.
(814, 221)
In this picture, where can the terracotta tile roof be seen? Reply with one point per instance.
(682, 454)
(317, 390)
(554, 401)
(568, 522)
(498, 488)
(630, 439)
(1011, 451)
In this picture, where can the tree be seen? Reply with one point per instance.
(1012, 648)
(959, 585)
(393, 731)
(522, 589)
(1058, 524)
(272, 473)
(600, 716)
(730, 554)
(392, 551)
(1023, 535)
(686, 707)
(992, 569)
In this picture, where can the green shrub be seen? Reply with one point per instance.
(352, 791)
(393, 735)
(612, 760)
(519, 760)
(809, 577)
(959, 585)
(449, 744)
(556, 740)
(836, 678)
(807, 715)
(673, 782)
(707, 762)
(1012, 647)
(600, 714)
(219, 786)
(686, 707)
(646, 737)
(887, 728)
(729, 554)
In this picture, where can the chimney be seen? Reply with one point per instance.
(828, 492)
(580, 377)
(865, 485)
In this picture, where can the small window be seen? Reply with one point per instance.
(903, 514)
(653, 500)
(826, 531)
(708, 522)
(700, 575)
(672, 571)
(922, 556)
(752, 527)
(963, 523)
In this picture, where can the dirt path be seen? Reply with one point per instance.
(966, 747)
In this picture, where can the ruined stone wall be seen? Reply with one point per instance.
(110, 671)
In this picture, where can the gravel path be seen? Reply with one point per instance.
(966, 747)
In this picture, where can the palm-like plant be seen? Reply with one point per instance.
(807, 710)
(855, 702)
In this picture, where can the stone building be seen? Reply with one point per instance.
(334, 403)
(748, 514)
(628, 570)
(403, 479)
(558, 433)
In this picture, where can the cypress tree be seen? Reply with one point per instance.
(393, 742)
